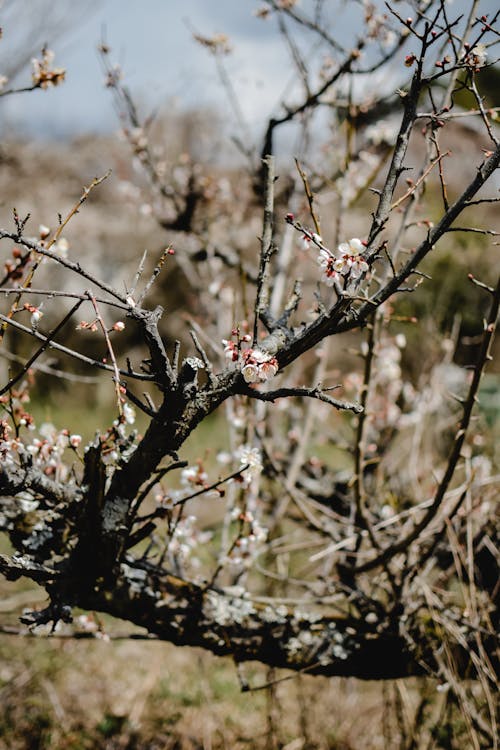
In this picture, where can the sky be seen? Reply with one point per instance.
(164, 67)
(153, 43)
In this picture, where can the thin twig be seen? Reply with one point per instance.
(201, 351)
(267, 248)
(362, 519)
(402, 544)
(110, 349)
(70, 352)
(70, 265)
(156, 272)
(422, 177)
(40, 350)
(309, 196)
(138, 274)
(47, 369)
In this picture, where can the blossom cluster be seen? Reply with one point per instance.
(476, 57)
(233, 605)
(46, 447)
(388, 391)
(89, 623)
(185, 538)
(346, 263)
(14, 267)
(61, 245)
(256, 364)
(195, 478)
(377, 26)
(13, 404)
(247, 544)
(250, 459)
(218, 44)
(44, 74)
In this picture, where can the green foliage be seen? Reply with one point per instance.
(110, 725)
(449, 293)
(488, 81)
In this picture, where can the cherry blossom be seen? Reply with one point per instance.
(62, 247)
(129, 413)
(230, 350)
(352, 247)
(357, 266)
(380, 133)
(306, 240)
(194, 476)
(351, 261)
(477, 56)
(258, 366)
(328, 263)
(250, 372)
(250, 457)
(44, 74)
(268, 369)
(35, 317)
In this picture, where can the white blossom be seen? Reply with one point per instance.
(230, 350)
(259, 366)
(62, 247)
(87, 623)
(47, 430)
(250, 373)
(268, 370)
(259, 356)
(35, 318)
(327, 263)
(347, 262)
(381, 132)
(400, 340)
(306, 240)
(353, 247)
(225, 610)
(193, 475)
(357, 266)
(129, 413)
(477, 56)
(250, 457)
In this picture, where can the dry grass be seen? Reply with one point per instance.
(60, 693)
